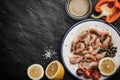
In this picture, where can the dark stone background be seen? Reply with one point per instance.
(27, 29)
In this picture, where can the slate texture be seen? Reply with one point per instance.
(28, 30)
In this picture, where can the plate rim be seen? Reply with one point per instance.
(74, 25)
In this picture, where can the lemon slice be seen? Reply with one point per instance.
(55, 70)
(35, 71)
(107, 66)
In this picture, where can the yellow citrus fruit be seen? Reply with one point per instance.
(35, 71)
(107, 66)
(55, 70)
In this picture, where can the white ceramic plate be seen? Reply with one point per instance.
(74, 32)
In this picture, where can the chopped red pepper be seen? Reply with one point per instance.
(109, 9)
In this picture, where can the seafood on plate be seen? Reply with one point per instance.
(88, 48)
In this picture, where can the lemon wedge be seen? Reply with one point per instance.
(35, 71)
(107, 66)
(55, 70)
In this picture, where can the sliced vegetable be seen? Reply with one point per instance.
(105, 11)
(109, 9)
(96, 75)
(87, 73)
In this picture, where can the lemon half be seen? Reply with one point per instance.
(55, 70)
(35, 71)
(107, 66)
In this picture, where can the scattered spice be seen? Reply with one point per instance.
(49, 53)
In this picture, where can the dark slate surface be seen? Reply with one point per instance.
(27, 29)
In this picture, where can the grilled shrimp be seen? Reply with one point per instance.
(89, 57)
(82, 35)
(76, 59)
(74, 42)
(87, 39)
(100, 55)
(78, 47)
(88, 50)
(106, 39)
(94, 31)
(87, 65)
(106, 42)
(95, 51)
(104, 35)
(83, 65)
(93, 38)
(92, 64)
(96, 43)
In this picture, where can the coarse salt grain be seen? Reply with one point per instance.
(49, 53)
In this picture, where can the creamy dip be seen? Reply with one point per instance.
(78, 7)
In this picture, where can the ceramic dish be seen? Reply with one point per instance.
(78, 17)
(73, 32)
